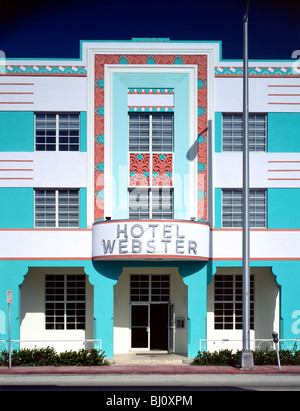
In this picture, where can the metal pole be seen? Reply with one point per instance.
(9, 301)
(9, 336)
(246, 357)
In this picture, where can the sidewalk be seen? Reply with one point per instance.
(151, 369)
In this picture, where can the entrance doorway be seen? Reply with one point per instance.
(151, 322)
(150, 326)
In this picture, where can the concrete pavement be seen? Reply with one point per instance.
(151, 369)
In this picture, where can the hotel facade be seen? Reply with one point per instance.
(121, 198)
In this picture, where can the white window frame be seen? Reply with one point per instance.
(63, 298)
(57, 210)
(237, 140)
(254, 222)
(57, 131)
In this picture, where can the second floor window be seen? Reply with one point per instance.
(233, 132)
(56, 208)
(155, 203)
(57, 132)
(232, 208)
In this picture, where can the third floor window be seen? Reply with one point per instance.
(57, 132)
(151, 132)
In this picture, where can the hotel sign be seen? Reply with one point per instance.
(150, 239)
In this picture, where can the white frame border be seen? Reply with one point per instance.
(109, 70)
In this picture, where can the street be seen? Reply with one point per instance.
(150, 382)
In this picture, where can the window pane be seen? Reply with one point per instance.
(139, 132)
(69, 128)
(232, 208)
(232, 134)
(138, 204)
(68, 208)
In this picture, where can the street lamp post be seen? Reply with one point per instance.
(246, 356)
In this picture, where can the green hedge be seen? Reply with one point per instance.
(260, 357)
(48, 356)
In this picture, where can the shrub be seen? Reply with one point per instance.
(260, 357)
(48, 356)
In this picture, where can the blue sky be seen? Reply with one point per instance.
(41, 29)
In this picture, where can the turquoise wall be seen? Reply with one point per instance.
(103, 276)
(121, 83)
(218, 208)
(283, 132)
(16, 131)
(83, 131)
(82, 208)
(16, 208)
(282, 137)
(218, 132)
(287, 275)
(283, 207)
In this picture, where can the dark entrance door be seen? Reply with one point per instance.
(158, 326)
(140, 326)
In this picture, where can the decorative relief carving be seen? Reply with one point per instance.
(139, 169)
(162, 169)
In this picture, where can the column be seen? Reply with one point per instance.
(195, 277)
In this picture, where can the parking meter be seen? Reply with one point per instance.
(275, 337)
(276, 340)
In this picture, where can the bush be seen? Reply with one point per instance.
(48, 356)
(260, 357)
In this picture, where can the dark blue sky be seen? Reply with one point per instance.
(41, 29)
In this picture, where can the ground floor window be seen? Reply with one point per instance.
(65, 297)
(228, 302)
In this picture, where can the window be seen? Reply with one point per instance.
(229, 302)
(151, 132)
(232, 208)
(156, 203)
(56, 208)
(57, 132)
(150, 288)
(65, 302)
(233, 132)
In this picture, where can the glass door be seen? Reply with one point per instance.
(140, 326)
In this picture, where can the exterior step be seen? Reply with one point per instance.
(148, 359)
